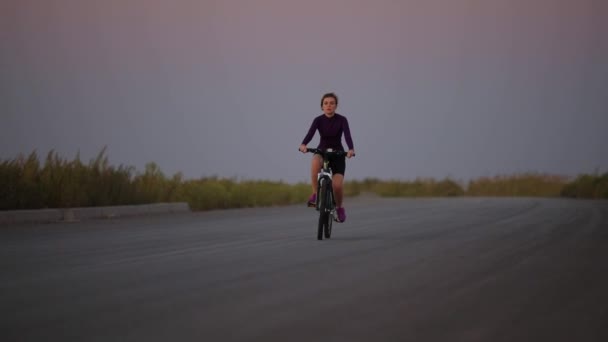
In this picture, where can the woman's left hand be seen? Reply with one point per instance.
(351, 153)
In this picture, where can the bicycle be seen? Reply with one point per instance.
(325, 202)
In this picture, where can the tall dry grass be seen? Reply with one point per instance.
(60, 183)
(26, 183)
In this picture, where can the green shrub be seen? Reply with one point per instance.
(587, 186)
(526, 184)
(417, 188)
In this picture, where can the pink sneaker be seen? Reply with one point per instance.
(312, 200)
(341, 215)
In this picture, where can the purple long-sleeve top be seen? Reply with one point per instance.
(330, 130)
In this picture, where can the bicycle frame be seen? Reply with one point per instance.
(325, 175)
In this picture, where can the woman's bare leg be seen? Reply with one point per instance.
(338, 181)
(315, 167)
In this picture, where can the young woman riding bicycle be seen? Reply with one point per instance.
(331, 126)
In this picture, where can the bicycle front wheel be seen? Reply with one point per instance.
(329, 219)
(323, 209)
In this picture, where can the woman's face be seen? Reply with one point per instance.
(329, 106)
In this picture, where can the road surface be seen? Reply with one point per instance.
(467, 269)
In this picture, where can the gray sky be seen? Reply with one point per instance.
(460, 88)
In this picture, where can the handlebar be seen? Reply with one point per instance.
(327, 153)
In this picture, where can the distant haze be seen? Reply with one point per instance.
(459, 88)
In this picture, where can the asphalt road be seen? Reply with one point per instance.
(397, 270)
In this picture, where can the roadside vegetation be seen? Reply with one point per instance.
(421, 187)
(26, 183)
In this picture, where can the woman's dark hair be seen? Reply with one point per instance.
(329, 95)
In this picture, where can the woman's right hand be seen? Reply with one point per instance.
(303, 148)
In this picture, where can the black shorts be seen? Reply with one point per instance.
(337, 164)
